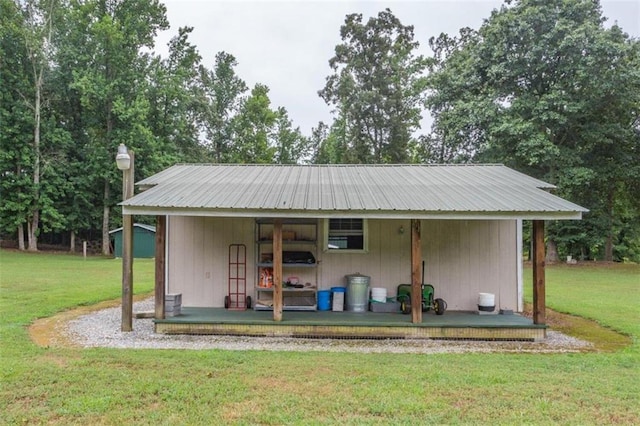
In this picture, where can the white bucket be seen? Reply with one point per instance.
(486, 301)
(379, 294)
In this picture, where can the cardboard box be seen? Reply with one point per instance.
(288, 235)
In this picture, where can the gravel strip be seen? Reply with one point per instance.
(102, 329)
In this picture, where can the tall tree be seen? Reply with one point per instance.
(37, 30)
(81, 197)
(175, 104)
(377, 87)
(317, 142)
(253, 128)
(110, 76)
(30, 137)
(455, 101)
(16, 118)
(544, 87)
(329, 144)
(291, 146)
(223, 94)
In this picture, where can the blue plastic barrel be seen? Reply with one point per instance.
(324, 300)
(338, 289)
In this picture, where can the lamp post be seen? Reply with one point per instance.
(125, 162)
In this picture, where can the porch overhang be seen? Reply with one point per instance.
(364, 214)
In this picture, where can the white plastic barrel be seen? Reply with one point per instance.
(486, 302)
(379, 294)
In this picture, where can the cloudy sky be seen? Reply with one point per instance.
(287, 44)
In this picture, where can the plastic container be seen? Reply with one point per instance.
(337, 296)
(324, 300)
(385, 307)
(357, 292)
(486, 302)
(379, 294)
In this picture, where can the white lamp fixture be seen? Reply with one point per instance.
(123, 159)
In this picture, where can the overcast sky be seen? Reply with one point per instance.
(287, 44)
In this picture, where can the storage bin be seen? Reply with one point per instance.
(388, 307)
(337, 295)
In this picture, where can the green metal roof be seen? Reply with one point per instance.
(373, 191)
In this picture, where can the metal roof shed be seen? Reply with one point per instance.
(208, 200)
(144, 241)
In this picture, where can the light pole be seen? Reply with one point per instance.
(125, 162)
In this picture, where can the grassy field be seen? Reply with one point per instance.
(112, 386)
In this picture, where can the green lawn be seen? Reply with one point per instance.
(112, 386)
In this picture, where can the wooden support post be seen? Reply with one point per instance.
(539, 304)
(277, 270)
(416, 261)
(127, 273)
(127, 250)
(161, 231)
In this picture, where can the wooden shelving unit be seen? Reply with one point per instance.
(299, 236)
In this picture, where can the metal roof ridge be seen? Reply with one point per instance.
(340, 165)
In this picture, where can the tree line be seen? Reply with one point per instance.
(543, 87)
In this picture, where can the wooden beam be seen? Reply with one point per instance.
(539, 304)
(161, 230)
(277, 270)
(416, 283)
(127, 273)
(127, 249)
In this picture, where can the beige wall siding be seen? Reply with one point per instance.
(462, 258)
(198, 257)
(387, 262)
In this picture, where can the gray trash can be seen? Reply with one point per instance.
(357, 292)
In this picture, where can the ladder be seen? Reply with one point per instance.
(237, 298)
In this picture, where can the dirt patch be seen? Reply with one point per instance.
(51, 331)
(603, 338)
